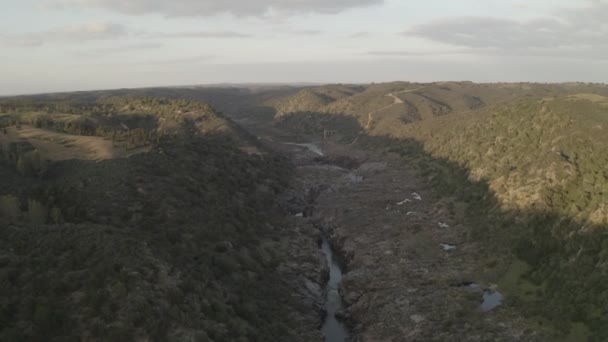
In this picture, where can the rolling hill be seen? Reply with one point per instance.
(380, 107)
(172, 233)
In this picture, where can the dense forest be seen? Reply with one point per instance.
(533, 176)
(141, 218)
(171, 243)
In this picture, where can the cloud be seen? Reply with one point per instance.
(97, 31)
(303, 32)
(101, 52)
(74, 33)
(566, 30)
(360, 34)
(212, 7)
(197, 34)
(157, 64)
(566, 53)
(282, 32)
(183, 61)
(402, 53)
(488, 32)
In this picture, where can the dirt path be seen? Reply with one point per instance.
(396, 101)
(370, 115)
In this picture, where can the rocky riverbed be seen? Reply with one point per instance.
(405, 250)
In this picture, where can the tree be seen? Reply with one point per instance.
(37, 212)
(29, 163)
(56, 215)
(137, 137)
(9, 208)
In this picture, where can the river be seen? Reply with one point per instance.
(333, 329)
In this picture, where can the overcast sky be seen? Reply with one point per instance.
(55, 45)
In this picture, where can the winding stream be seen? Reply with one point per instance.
(333, 329)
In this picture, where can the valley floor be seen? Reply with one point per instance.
(411, 267)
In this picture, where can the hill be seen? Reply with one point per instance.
(380, 107)
(527, 160)
(174, 234)
(532, 173)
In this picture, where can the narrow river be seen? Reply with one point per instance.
(333, 329)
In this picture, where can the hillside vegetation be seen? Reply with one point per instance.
(528, 160)
(543, 154)
(175, 242)
(533, 173)
(380, 107)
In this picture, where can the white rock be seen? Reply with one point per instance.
(443, 225)
(299, 215)
(410, 213)
(353, 178)
(417, 318)
(407, 200)
(416, 196)
(372, 167)
(447, 247)
(313, 288)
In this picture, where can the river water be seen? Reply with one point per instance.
(333, 329)
(491, 300)
(312, 147)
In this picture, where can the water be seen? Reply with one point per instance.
(334, 330)
(311, 147)
(491, 299)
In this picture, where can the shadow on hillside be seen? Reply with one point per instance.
(314, 124)
(139, 240)
(560, 283)
(563, 283)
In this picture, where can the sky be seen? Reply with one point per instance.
(65, 45)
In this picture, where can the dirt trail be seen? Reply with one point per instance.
(396, 100)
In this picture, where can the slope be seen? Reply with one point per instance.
(181, 241)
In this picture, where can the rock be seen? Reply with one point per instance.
(417, 318)
(340, 315)
(416, 196)
(407, 200)
(313, 288)
(447, 247)
(353, 178)
(308, 211)
(371, 168)
(443, 225)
